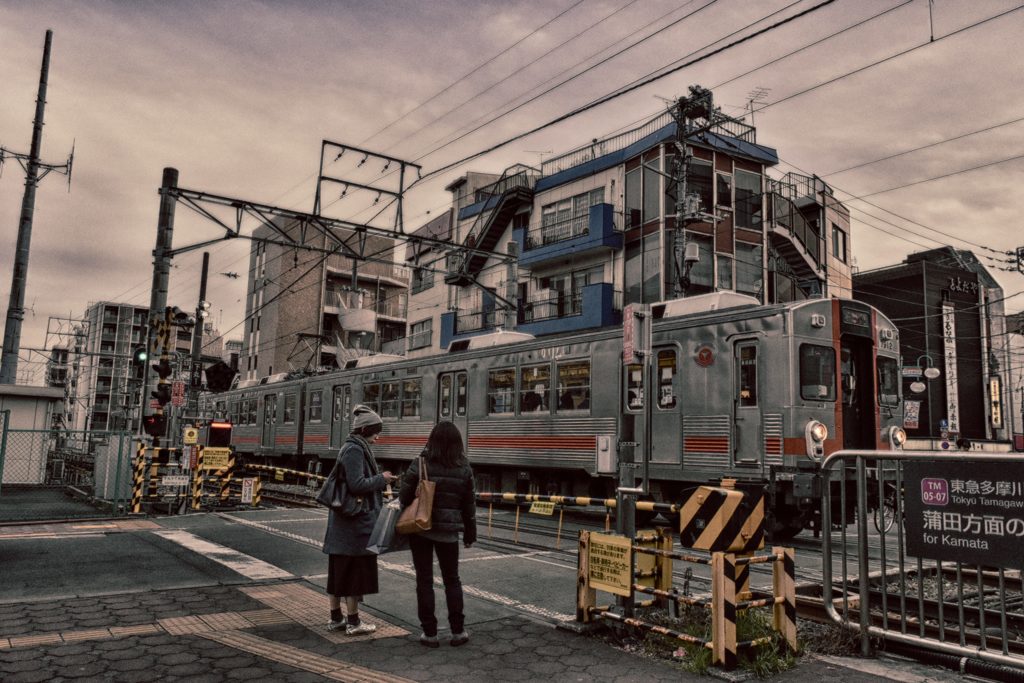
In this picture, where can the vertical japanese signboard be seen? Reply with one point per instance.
(949, 354)
(911, 414)
(610, 564)
(965, 513)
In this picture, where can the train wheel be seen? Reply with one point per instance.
(786, 524)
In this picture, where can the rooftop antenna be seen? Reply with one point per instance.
(758, 94)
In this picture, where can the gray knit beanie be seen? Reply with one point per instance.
(363, 416)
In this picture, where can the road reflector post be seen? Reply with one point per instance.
(784, 586)
(586, 595)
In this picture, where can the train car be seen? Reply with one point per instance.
(756, 393)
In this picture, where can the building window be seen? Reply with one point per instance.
(724, 271)
(748, 269)
(501, 392)
(838, 243)
(567, 218)
(421, 334)
(422, 279)
(748, 200)
(652, 191)
(698, 181)
(634, 209)
(723, 191)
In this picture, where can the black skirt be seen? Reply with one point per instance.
(351, 575)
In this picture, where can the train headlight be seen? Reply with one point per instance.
(815, 434)
(897, 437)
(817, 431)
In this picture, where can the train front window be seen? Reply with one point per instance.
(666, 375)
(817, 372)
(573, 387)
(748, 376)
(389, 401)
(501, 392)
(535, 381)
(888, 382)
(411, 393)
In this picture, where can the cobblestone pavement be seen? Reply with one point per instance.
(225, 633)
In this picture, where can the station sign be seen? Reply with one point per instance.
(610, 563)
(972, 514)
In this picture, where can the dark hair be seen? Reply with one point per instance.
(369, 430)
(444, 445)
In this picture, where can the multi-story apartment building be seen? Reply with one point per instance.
(310, 309)
(950, 315)
(565, 246)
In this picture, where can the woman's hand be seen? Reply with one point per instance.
(389, 478)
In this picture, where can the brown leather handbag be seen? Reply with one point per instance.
(416, 517)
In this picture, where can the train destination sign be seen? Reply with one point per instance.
(610, 563)
(972, 514)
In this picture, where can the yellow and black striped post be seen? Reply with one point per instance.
(197, 482)
(154, 474)
(226, 474)
(784, 586)
(138, 477)
(586, 597)
(722, 519)
(257, 489)
(723, 610)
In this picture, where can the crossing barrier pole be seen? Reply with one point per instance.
(257, 489)
(226, 475)
(723, 610)
(784, 586)
(490, 515)
(517, 524)
(139, 477)
(586, 597)
(663, 564)
(558, 535)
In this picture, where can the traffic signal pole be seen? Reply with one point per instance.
(161, 268)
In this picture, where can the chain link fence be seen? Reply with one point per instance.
(62, 474)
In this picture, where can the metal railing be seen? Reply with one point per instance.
(906, 536)
(548, 307)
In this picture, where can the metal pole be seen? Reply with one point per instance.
(19, 279)
(196, 372)
(161, 268)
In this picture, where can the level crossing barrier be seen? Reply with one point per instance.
(616, 564)
(924, 553)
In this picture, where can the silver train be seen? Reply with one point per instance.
(759, 393)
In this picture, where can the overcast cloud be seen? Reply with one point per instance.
(238, 95)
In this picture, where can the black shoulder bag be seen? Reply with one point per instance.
(334, 495)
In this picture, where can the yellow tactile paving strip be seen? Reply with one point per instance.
(301, 659)
(64, 529)
(287, 602)
(306, 606)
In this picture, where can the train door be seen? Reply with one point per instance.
(666, 427)
(747, 410)
(269, 420)
(857, 391)
(341, 402)
(453, 400)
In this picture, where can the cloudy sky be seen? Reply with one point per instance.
(238, 96)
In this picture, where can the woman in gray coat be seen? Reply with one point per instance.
(351, 570)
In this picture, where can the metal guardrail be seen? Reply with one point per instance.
(931, 543)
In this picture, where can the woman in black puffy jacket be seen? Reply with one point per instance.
(454, 511)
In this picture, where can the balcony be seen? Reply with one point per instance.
(593, 306)
(578, 236)
(358, 311)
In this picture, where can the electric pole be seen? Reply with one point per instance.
(195, 375)
(19, 279)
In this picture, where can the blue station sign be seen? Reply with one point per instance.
(972, 513)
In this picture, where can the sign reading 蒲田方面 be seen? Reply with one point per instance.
(971, 513)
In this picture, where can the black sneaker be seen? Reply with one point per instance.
(460, 639)
(429, 641)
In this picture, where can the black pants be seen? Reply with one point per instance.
(448, 559)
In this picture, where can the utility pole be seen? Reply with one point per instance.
(195, 377)
(19, 279)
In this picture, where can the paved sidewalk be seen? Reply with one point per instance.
(276, 631)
